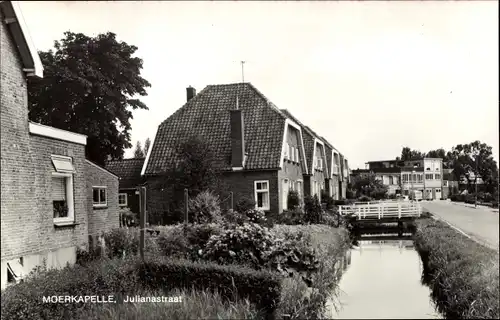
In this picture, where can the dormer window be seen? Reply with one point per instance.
(292, 153)
(297, 155)
(285, 156)
(319, 163)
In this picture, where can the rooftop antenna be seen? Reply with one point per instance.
(243, 71)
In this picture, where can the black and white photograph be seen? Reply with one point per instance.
(272, 160)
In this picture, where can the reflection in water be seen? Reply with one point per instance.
(383, 281)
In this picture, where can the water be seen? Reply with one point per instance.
(383, 281)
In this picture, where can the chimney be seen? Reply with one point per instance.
(237, 137)
(191, 92)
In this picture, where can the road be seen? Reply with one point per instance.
(480, 224)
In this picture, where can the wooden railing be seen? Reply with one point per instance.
(384, 209)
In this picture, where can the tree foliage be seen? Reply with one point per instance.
(90, 86)
(369, 185)
(196, 168)
(147, 144)
(138, 152)
(409, 154)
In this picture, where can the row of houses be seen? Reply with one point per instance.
(264, 151)
(53, 200)
(401, 177)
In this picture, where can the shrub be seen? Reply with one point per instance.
(365, 199)
(256, 216)
(205, 208)
(470, 199)
(244, 204)
(312, 209)
(291, 217)
(327, 200)
(121, 242)
(235, 217)
(127, 217)
(340, 203)
(260, 287)
(293, 199)
(100, 278)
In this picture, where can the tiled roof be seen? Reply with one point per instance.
(129, 171)
(207, 115)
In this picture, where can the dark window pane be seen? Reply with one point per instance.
(96, 195)
(103, 195)
(260, 199)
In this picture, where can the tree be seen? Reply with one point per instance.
(369, 185)
(194, 167)
(138, 152)
(409, 154)
(146, 146)
(89, 86)
(474, 160)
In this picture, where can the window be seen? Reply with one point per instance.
(437, 176)
(445, 183)
(405, 177)
(438, 190)
(262, 194)
(99, 197)
(297, 155)
(285, 156)
(286, 188)
(391, 180)
(419, 177)
(319, 163)
(291, 152)
(62, 189)
(437, 169)
(428, 169)
(428, 176)
(122, 199)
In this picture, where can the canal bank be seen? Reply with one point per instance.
(382, 279)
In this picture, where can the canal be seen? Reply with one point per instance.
(382, 279)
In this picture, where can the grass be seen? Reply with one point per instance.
(462, 274)
(195, 305)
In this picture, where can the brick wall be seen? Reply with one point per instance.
(105, 218)
(19, 216)
(242, 185)
(51, 237)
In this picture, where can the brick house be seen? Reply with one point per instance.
(129, 171)
(263, 150)
(45, 185)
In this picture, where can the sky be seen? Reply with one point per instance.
(371, 77)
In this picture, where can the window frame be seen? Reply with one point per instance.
(70, 197)
(437, 176)
(265, 191)
(100, 205)
(120, 194)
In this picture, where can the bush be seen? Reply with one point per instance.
(340, 202)
(185, 241)
(205, 208)
(244, 204)
(256, 216)
(121, 242)
(260, 287)
(293, 200)
(470, 199)
(291, 217)
(327, 200)
(235, 217)
(312, 209)
(100, 278)
(365, 199)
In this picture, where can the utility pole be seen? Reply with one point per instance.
(243, 71)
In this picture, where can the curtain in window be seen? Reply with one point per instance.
(58, 189)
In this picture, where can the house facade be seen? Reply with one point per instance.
(265, 152)
(44, 180)
(129, 172)
(424, 175)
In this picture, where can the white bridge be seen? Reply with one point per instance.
(382, 210)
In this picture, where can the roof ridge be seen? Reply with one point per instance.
(266, 99)
(185, 105)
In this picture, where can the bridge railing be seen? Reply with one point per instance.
(380, 210)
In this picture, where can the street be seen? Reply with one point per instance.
(480, 224)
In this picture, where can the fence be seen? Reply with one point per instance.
(381, 210)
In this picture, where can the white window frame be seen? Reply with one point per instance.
(119, 195)
(68, 179)
(100, 205)
(265, 191)
(299, 188)
(437, 174)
